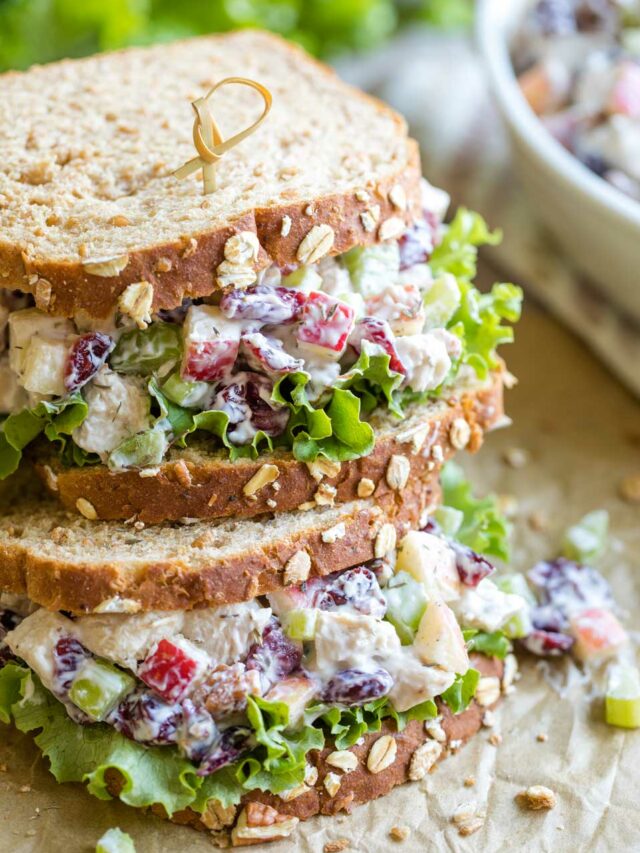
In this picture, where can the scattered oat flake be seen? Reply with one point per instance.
(629, 489)
(399, 833)
(24, 789)
(495, 739)
(471, 826)
(537, 797)
(337, 846)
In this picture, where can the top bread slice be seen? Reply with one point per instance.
(89, 202)
(197, 483)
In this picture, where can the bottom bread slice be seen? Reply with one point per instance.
(263, 817)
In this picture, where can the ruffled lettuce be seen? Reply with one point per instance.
(494, 645)
(459, 695)
(482, 526)
(55, 419)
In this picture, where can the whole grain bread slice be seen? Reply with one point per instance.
(196, 483)
(64, 561)
(358, 786)
(89, 202)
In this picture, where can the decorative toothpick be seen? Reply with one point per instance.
(208, 140)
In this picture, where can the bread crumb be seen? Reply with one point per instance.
(538, 521)
(399, 833)
(331, 536)
(297, 569)
(285, 227)
(385, 541)
(119, 221)
(459, 433)
(542, 737)
(332, 784)
(537, 797)
(495, 739)
(471, 826)
(629, 489)
(337, 846)
(516, 457)
(266, 474)
(470, 781)
(25, 789)
(366, 487)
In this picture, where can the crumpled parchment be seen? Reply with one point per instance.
(582, 432)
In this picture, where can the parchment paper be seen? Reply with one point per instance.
(583, 433)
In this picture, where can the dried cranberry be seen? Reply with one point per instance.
(569, 586)
(268, 305)
(377, 332)
(232, 743)
(549, 618)
(246, 399)
(358, 588)
(268, 355)
(547, 643)
(88, 354)
(68, 657)
(472, 567)
(146, 718)
(276, 656)
(416, 244)
(355, 686)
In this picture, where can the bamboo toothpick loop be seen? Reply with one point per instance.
(208, 140)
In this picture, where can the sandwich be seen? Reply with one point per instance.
(247, 717)
(241, 582)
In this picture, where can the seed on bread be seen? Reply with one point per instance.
(297, 568)
(325, 495)
(488, 691)
(370, 217)
(266, 474)
(366, 487)
(398, 471)
(343, 760)
(51, 478)
(191, 248)
(87, 509)
(391, 228)
(331, 536)
(382, 754)
(459, 433)
(398, 197)
(163, 265)
(321, 467)
(294, 793)
(362, 195)
(119, 221)
(106, 267)
(216, 816)
(316, 244)
(285, 226)
(182, 473)
(229, 274)
(136, 302)
(332, 783)
(242, 248)
(259, 822)
(385, 541)
(423, 759)
(43, 294)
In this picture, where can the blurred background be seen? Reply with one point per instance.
(42, 30)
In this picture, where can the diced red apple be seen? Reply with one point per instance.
(211, 343)
(296, 692)
(431, 561)
(624, 97)
(173, 668)
(268, 355)
(377, 332)
(326, 324)
(439, 640)
(598, 634)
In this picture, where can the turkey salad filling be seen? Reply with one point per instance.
(298, 359)
(236, 687)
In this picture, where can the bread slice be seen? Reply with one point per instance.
(357, 786)
(64, 561)
(196, 483)
(88, 200)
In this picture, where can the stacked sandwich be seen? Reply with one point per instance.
(231, 591)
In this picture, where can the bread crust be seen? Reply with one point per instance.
(194, 256)
(59, 577)
(360, 785)
(209, 486)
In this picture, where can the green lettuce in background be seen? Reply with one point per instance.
(43, 30)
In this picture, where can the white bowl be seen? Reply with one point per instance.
(596, 225)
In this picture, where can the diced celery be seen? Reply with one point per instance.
(449, 519)
(185, 393)
(406, 602)
(516, 584)
(622, 701)
(301, 624)
(115, 841)
(144, 351)
(441, 301)
(586, 540)
(304, 278)
(99, 687)
(140, 451)
(372, 268)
